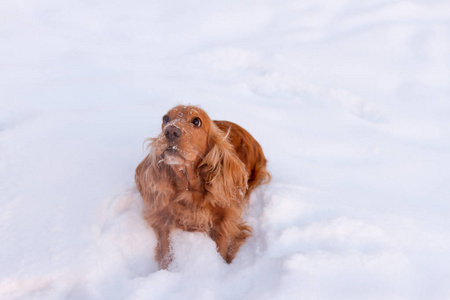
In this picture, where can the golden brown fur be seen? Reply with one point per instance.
(199, 178)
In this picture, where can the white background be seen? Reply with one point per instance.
(349, 99)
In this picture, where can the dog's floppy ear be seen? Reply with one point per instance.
(154, 181)
(224, 173)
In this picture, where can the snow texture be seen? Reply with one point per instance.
(349, 100)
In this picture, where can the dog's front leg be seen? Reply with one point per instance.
(229, 235)
(163, 253)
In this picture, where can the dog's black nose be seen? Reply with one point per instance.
(172, 133)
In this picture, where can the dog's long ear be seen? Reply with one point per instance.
(154, 181)
(224, 173)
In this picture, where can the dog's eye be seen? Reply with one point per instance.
(197, 122)
(166, 119)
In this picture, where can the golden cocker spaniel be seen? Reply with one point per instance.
(198, 176)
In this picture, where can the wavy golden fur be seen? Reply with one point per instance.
(198, 176)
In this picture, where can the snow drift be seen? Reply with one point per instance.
(349, 101)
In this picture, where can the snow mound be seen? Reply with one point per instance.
(348, 99)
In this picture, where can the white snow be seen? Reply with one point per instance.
(349, 99)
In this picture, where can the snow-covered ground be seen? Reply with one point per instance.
(349, 99)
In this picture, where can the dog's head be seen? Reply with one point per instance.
(184, 136)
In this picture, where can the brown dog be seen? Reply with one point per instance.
(198, 176)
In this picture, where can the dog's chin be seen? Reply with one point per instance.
(172, 157)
